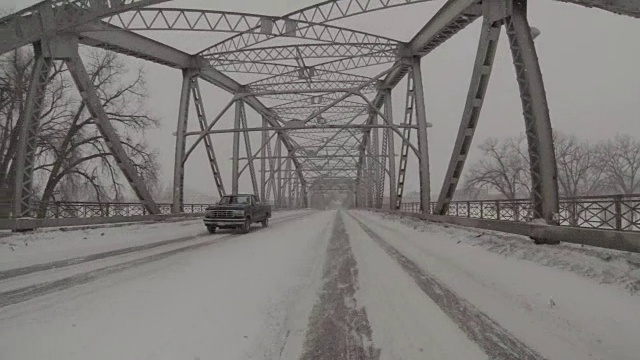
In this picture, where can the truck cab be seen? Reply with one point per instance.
(236, 211)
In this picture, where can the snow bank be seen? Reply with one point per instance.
(603, 265)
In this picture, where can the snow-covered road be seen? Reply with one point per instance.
(313, 285)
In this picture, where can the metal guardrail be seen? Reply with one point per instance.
(78, 210)
(609, 212)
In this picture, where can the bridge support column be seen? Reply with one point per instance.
(178, 165)
(489, 35)
(28, 133)
(373, 164)
(544, 189)
(286, 198)
(391, 149)
(423, 144)
(208, 143)
(235, 161)
(247, 145)
(263, 162)
(278, 170)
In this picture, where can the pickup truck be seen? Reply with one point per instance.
(236, 211)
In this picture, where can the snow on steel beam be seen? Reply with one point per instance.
(260, 26)
(48, 18)
(307, 51)
(326, 11)
(303, 95)
(314, 101)
(338, 109)
(132, 44)
(252, 67)
(331, 80)
(451, 18)
(307, 74)
(334, 66)
(454, 16)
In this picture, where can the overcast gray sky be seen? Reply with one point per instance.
(589, 61)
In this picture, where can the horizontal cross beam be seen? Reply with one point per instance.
(293, 128)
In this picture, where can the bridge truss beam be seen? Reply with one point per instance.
(337, 124)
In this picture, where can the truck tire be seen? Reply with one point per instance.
(265, 222)
(212, 229)
(246, 226)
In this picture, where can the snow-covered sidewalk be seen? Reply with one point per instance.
(21, 250)
(551, 297)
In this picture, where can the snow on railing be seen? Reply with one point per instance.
(67, 210)
(608, 212)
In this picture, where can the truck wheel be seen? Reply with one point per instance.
(265, 222)
(212, 229)
(246, 226)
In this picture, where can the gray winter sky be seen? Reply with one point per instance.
(589, 61)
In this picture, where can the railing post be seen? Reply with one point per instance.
(618, 206)
(497, 209)
(468, 209)
(56, 210)
(107, 212)
(481, 209)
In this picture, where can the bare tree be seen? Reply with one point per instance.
(619, 159)
(579, 170)
(74, 162)
(79, 159)
(15, 75)
(503, 168)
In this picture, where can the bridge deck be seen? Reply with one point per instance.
(314, 285)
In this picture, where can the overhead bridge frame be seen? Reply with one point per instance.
(336, 124)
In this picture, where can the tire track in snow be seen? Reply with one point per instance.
(338, 329)
(16, 296)
(492, 338)
(59, 264)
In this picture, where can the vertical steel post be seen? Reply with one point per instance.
(263, 161)
(112, 139)
(28, 136)
(423, 144)
(382, 177)
(278, 155)
(247, 144)
(287, 184)
(271, 186)
(388, 112)
(404, 149)
(489, 35)
(208, 143)
(544, 182)
(178, 165)
(235, 161)
(373, 162)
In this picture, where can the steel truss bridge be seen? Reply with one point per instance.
(324, 125)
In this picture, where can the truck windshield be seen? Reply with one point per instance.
(228, 200)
